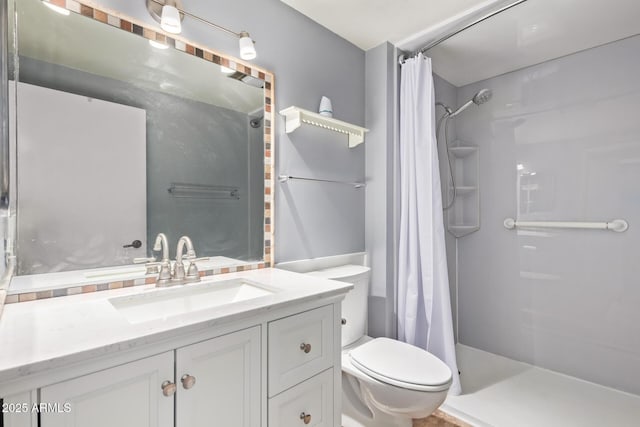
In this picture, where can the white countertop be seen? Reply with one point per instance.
(45, 334)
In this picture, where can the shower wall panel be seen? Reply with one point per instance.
(445, 93)
(559, 141)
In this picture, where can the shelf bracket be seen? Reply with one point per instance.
(292, 120)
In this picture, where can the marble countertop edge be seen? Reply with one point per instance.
(125, 336)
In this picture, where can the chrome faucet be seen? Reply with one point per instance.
(164, 277)
(179, 275)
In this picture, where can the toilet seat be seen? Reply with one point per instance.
(401, 364)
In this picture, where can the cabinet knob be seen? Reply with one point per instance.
(305, 347)
(305, 417)
(343, 321)
(168, 388)
(188, 381)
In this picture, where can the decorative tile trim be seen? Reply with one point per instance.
(148, 280)
(117, 20)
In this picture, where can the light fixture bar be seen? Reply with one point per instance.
(204, 21)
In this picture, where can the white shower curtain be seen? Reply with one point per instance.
(424, 305)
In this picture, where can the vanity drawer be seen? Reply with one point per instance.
(307, 404)
(300, 346)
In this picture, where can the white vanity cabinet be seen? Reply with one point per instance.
(214, 380)
(273, 366)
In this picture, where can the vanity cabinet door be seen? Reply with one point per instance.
(130, 395)
(20, 410)
(219, 381)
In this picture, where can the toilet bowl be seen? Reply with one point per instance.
(384, 382)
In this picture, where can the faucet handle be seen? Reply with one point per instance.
(150, 263)
(191, 256)
(192, 271)
(164, 276)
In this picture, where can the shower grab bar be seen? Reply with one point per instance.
(285, 178)
(617, 225)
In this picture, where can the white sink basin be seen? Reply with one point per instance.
(163, 303)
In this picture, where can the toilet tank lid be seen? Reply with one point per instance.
(340, 272)
(387, 359)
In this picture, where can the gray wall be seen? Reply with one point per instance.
(311, 220)
(187, 142)
(380, 221)
(558, 141)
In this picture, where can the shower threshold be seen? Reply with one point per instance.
(502, 392)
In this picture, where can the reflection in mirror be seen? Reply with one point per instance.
(119, 139)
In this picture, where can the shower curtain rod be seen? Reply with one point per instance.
(452, 33)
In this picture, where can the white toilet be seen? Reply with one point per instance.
(384, 382)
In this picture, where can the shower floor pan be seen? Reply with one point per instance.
(502, 392)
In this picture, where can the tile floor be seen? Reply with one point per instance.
(440, 419)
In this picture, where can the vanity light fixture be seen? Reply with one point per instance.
(170, 14)
(170, 19)
(247, 50)
(56, 8)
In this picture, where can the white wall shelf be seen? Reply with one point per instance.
(295, 117)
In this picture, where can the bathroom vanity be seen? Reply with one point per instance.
(256, 348)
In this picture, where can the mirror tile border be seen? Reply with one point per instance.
(117, 20)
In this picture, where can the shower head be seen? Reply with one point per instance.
(255, 123)
(484, 95)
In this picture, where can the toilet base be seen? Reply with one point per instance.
(357, 413)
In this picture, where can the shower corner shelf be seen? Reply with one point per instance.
(464, 216)
(462, 151)
(463, 230)
(295, 117)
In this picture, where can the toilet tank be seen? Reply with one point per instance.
(354, 306)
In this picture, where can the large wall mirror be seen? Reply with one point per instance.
(121, 133)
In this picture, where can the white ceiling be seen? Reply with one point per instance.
(88, 45)
(527, 34)
(531, 33)
(367, 23)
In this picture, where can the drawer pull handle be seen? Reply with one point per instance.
(168, 388)
(188, 381)
(344, 321)
(305, 347)
(305, 417)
